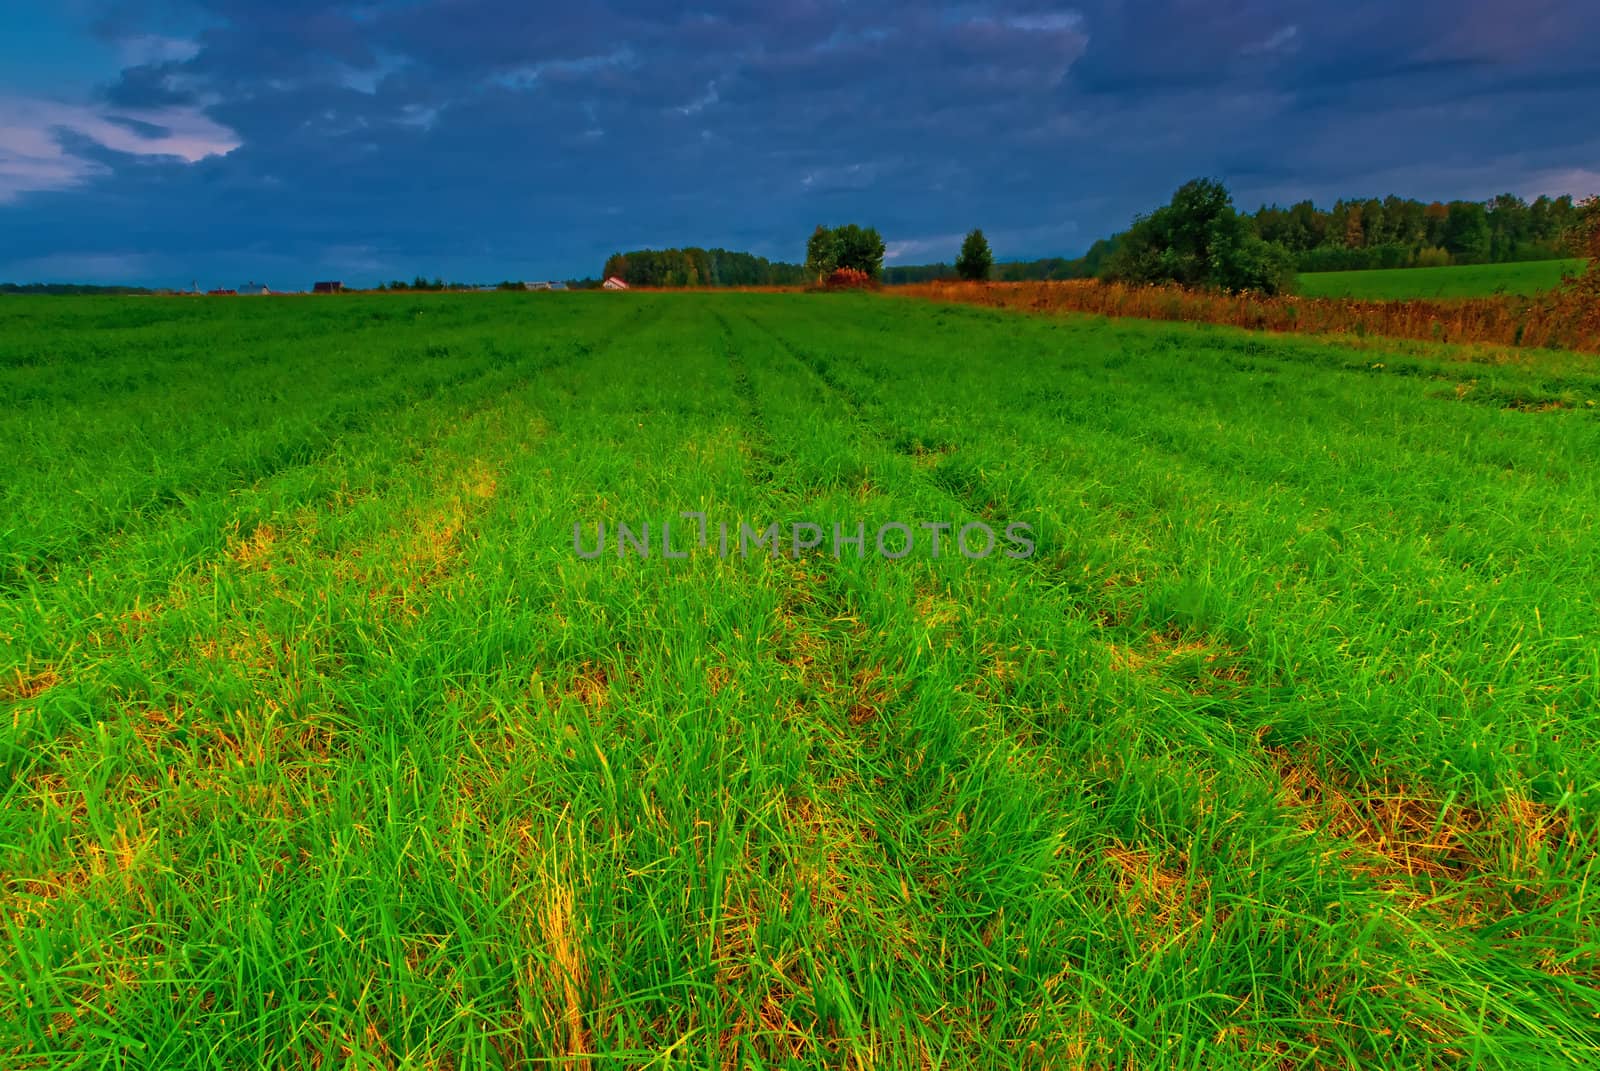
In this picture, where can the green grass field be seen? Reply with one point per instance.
(1469, 280)
(322, 747)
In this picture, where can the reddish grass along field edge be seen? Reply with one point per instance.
(1567, 319)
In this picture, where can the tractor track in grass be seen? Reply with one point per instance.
(833, 817)
(821, 647)
(1238, 675)
(918, 756)
(1360, 830)
(18, 577)
(19, 581)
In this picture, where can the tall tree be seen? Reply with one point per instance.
(1466, 232)
(822, 252)
(860, 248)
(975, 261)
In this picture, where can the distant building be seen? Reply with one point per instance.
(614, 283)
(327, 288)
(255, 288)
(550, 285)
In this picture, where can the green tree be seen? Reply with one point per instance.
(975, 261)
(822, 252)
(1199, 240)
(860, 248)
(850, 246)
(1466, 232)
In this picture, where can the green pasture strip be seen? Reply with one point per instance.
(1525, 278)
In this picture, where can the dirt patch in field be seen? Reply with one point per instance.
(718, 677)
(759, 1004)
(868, 695)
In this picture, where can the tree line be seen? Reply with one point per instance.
(1198, 239)
(439, 285)
(1354, 234)
(1400, 232)
(830, 249)
(69, 288)
(694, 266)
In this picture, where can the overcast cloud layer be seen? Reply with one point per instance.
(164, 141)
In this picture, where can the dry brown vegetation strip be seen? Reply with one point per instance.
(1568, 319)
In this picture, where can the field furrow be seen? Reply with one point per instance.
(358, 708)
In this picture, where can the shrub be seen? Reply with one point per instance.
(847, 279)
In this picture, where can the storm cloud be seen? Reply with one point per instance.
(489, 139)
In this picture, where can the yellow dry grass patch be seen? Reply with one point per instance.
(767, 998)
(249, 648)
(430, 545)
(590, 685)
(1160, 648)
(1395, 830)
(84, 869)
(936, 609)
(564, 971)
(255, 550)
(554, 979)
(1164, 904)
(433, 546)
(760, 1000)
(481, 480)
(29, 685)
(1425, 849)
(717, 678)
(1166, 653)
(825, 838)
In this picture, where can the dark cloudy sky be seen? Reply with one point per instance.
(160, 141)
